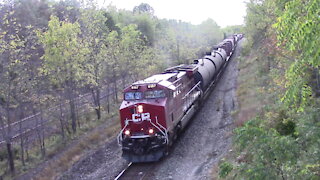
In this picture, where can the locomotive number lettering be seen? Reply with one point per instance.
(140, 117)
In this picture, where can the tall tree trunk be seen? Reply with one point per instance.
(76, 103)
(73, 115)
(40, 130)
(98, 104)
(108, 99)
(115, 85)
(115, 92)
(65, 118)
(27, 149)
(21, 139)
(61, 122)
(71, 97)
(7, 136)
(10, 156)
(96, 100)
(123, 81)
(43, 145)
(97, 94)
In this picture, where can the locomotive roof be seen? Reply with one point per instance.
(165, 79)
(156, 78)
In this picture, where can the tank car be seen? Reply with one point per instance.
(156, 109)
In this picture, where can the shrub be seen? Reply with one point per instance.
(224, 169)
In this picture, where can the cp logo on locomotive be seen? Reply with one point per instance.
(140, 117)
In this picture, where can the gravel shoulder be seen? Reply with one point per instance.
(103, 163)
(203, 143)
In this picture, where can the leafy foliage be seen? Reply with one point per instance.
(282, 142)
(64, 53)
(298, 28)
(225, 169)
(269, 155)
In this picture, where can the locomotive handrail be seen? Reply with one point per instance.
(195, 86)
(165, 133)
(119, 137)
(157, 125)
(190, 97)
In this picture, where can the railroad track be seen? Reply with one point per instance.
(136, 171)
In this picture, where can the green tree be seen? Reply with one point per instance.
(16, 85)
(113, 57)
(64, 60)
(283, 146)
(299, 31)
(143, 8)
(131, 48)
(95, 33)
(230, 30)
(210, 32)
(146, 25)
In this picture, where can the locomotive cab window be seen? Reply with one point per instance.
(132, 96)
(154, 94)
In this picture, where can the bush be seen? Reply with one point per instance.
(224, 169)
(284, 125)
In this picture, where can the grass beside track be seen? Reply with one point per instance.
(78, 149)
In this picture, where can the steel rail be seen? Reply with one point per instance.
(122, 172)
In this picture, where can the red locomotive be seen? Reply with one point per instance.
(155, 109)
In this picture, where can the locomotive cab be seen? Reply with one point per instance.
(144, 134)
(151, 112)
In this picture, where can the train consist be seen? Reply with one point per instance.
(156, 109)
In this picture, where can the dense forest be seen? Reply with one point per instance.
(56, 55)
(282, 59)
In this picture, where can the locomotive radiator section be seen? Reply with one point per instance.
(156, 109)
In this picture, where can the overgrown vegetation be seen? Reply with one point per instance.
(282, 141)
(61, 62)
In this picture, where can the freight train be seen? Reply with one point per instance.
(156, 109)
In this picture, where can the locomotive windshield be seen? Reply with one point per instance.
(130, 96)
(154, 94)
(133, 95)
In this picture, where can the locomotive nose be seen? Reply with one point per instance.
(138, 150)
(140, 146)
(142, 118)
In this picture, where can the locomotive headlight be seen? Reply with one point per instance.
(127, 132)
(151, 86)
(140, 109)
(151, 131)
(134, 87)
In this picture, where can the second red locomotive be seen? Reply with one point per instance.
(155, 109)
